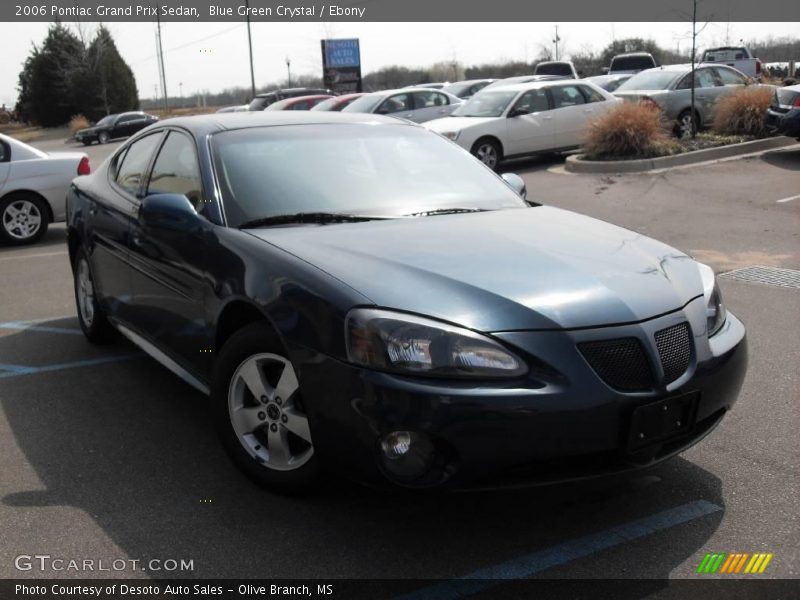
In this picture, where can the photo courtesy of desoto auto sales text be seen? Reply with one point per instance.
(367, 300)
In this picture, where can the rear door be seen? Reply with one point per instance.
(707, 90)
(429, 105)
(571, 112)
(109, 224)
(168, 273)
(533, 131)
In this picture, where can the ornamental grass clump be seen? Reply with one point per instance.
(743, 111)
(628, 131)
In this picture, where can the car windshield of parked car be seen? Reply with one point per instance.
(632, 63)
(389, 170)
(105, 121)
(487, 103)
(330, 104)
(364, 104)
(650, 80)
(260, 103)
(554, 69)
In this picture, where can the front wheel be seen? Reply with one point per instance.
(260, 412)
(92, 319)
(488, 152)
(23, 219)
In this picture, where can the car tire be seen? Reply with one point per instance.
(91, 317)
(24, 218)
(103, 138)
(683, 127)
(87, 142)
(259, 412)
(488, 152)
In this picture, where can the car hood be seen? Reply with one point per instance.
(457, 123)
(516, 269)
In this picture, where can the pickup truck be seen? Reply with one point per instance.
(630, 63)
(737, 57)
(562, 68)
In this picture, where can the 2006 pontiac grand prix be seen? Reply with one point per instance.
(361, 296)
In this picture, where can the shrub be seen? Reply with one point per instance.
(629, 131)
(743, 112)
(78, 122)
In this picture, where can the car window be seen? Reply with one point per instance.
(705, 79)
(430, 99)
(126, 118)
(592, 95)
(134, 163)
(396, 103)
(477, 87)
(5, 153)
(532, 101)
(566, 95)
(302, 105)
(175, 170)
(729, 77)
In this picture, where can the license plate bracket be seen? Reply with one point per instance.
(662, 420)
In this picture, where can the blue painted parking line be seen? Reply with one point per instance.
(33, 325)
(19, 370)
(531, 564)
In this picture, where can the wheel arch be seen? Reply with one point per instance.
(27, 192)
(236, 314)
(492, 138)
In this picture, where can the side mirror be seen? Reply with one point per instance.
(169, 211)
(518, 112)
(516, 183)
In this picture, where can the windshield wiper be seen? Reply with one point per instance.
(444, 211)
(308, 217)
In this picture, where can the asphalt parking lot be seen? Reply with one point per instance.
(105, 454)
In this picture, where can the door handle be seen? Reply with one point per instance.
(409, 115)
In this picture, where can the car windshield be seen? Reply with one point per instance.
(554, 69)
(355, 169)
(105, 121)
(364, 104)
(486, 104)
(632, 63)
(457, 88)
(650, 80)
(329, 104)
(261, 102)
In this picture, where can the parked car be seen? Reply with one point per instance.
(378, 304)
(115, 126)
(437, 85)
(609, 82)
(262, 101)
(521, 79)
(413, 104)
(299, 103)
(738, 57)
(783, 115)
(468, 88)
(631, 63)
(670, 89)
(337, 103)
(564, 68)
(238, 108)
(523, 119)
(33, 188)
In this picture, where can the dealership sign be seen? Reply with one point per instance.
(341, 65)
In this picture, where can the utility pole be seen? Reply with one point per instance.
(289, 71)
(555, 41)
(180, 87)
(250, 46)
(694, 50)
(161, 64)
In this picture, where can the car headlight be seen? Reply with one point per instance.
(715, 307)
(451, 135)
(409, 344)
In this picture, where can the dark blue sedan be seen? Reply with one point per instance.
(358, 295)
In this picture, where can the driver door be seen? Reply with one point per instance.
(533, 131)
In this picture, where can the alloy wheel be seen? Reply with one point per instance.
(685, 125)
(85, 292)
(487, 154)
(22, 219)
(266, 413)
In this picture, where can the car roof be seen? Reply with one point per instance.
(640, 53)
(202, 125)
(533, 85)
(405, 90)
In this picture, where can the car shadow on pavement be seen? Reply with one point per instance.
(783, 159)
(131, 449)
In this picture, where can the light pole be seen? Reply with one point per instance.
(289, 71)
(250, 46)
(556, 40)
(180, 87)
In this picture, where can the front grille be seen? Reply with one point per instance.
(621, 363)
(675, 350)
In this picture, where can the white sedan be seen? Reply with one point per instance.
(523, 119)
(33, 188)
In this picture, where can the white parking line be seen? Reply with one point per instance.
(789, 199)
(32, 255)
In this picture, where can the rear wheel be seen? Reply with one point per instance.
(488, 152)
(23, 218)
(91, 317)
(685, 124)
(103, 138)
(260, 413)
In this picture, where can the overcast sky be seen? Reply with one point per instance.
(213, 56)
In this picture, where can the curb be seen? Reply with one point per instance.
(573, 163)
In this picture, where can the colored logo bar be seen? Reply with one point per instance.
(735, 563)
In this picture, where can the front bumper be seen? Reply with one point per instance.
(548, 427)
(784, 123)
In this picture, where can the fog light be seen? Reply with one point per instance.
(396, 444)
